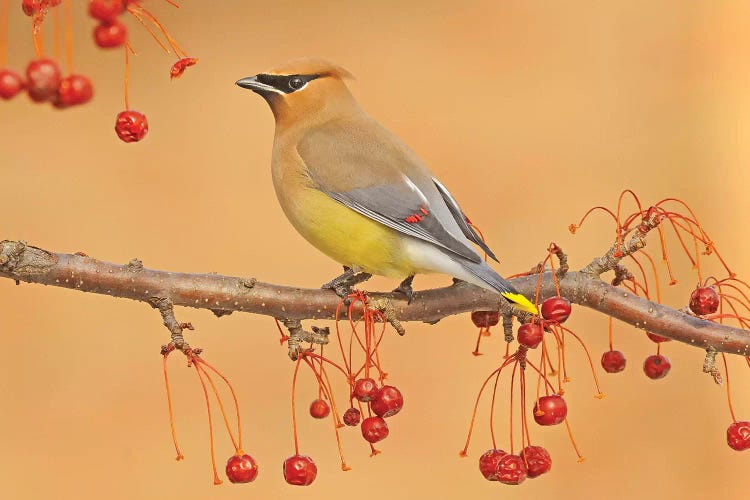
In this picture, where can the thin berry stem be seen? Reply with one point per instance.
(729, 392)
(294, 405)
(68, 15)
(56, 34)
(581, 458)
(512, 384)
(599, 394)
(179, 456)
(127, 74)
(492, 410)
(221, 404)
(234, 398)
(4, 8)
(210, 421)
(329, 394)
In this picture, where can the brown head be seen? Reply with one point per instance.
(305, 89)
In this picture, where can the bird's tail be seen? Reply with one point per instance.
(487, 276)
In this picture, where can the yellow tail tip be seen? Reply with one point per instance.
(521, 302)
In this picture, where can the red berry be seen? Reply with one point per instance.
(613, 361)
(374, 429)
(319, 409)
(110, 34)
(738, 436)
(387, 402)
(511, 469)
(704, 300)
(550, 410)
(365, 389)
(537, 460)
(131, 126)
(351, 417)
(530, 335)
(485, 319)
(42, 79)
(73, 90)
(488, 463)
(106, 10)
(656, 366)
(11, 84)
(241, 469)
(657, 338)
(556, 309)
(300, 470)
(31, 7)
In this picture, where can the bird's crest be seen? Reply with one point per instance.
(311, 66)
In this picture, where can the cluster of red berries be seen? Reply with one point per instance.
(532, 461)
(383, 402)
(507, 468)
(45, 83)
(370, 402)
(111, 32)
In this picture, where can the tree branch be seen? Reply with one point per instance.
(226, 294)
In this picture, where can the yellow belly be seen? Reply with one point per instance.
(345, 235)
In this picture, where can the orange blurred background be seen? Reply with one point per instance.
(530, 112)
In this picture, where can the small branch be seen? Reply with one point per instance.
(298, 335)
(21, 262)
(614, 255)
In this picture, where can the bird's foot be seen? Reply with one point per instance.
(343, 284)
(406, 289)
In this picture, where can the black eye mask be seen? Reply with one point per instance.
(286, 83)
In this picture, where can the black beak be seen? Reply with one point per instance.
(252, 83)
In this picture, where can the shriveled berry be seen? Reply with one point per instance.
(488, 463)
(74, 90)
(300, 470)
(374, 429)
(106, 10)
(241, 469)
(131, 126)
(319, 409)
(613, 361)
(738, 436)
(556, 309)
(365, 389)
(656, 366)
(352, 416)
(537, 460)
(485, 319)
(704, 300)
(511, 469)
(11, 84)
(110, 34)
(180, 66)
(387, 402)
(657, 338)
(550, 410)
(42, 79)
(530, 335)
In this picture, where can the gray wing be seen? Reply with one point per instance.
(369, 178)
(462, 220)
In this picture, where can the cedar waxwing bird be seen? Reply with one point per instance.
(358, 193)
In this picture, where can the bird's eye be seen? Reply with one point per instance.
(296, 83)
